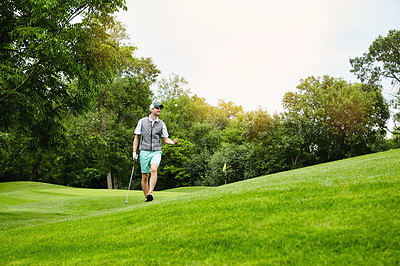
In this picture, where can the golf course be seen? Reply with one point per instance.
(340, 213)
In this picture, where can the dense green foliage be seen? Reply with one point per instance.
(340, 213)
(51, 65)
(327, 119)
(72, 94)
(335, 119)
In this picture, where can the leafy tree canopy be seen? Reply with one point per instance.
(52, 64)
(334, 119)
(381, 61)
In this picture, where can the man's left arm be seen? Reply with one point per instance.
(170, 141)
(164, 135)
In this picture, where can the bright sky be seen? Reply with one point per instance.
(251, 52)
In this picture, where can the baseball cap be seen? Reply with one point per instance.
(156, 105)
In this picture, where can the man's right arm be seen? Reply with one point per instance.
(138, 131)
(135, 144)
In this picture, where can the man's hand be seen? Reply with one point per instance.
(170, 141)
(134, 155)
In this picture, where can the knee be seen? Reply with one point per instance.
(154, 168)
(145, 177)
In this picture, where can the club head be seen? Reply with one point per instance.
(126, 202)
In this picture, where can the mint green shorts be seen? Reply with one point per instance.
(147, 158)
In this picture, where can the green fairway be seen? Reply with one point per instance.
(344, 212)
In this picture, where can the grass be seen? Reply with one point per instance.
(344, 212)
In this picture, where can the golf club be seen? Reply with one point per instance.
(130, 181)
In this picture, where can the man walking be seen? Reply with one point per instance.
(151, 130)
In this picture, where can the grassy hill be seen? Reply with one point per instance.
(345, 212)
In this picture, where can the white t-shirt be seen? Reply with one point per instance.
(138, 130)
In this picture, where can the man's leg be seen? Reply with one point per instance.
(155, 162)
(145, 158)
(145, 183)
(153, 178)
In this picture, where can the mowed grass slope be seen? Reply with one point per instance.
(344, 212)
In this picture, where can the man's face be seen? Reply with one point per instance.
(156, 111)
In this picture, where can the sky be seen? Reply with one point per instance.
(252, 52)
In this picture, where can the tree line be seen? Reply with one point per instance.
(72, 93)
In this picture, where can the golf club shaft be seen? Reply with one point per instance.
(130, 180)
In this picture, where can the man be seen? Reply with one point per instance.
(151, 130)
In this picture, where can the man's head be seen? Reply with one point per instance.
(155, 108)
(156, 105)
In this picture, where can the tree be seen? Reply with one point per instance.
(51, 65)
(101, 139)
(121, 105)
(332, 119)
(236, 158)
(263, 132)
(381, 61)
(172, 168)
(175, 97)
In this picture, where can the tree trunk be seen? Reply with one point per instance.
(109, 181)
(115, 179)
(294, 161)
(35, 168)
